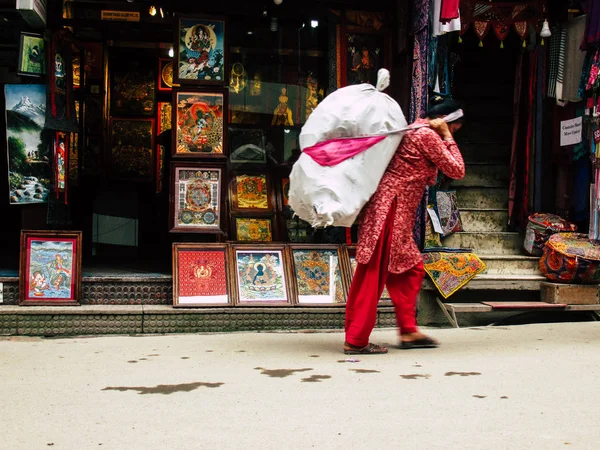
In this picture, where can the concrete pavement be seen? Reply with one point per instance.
(522, 387)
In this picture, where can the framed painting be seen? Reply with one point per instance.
(200, 275)
(253, 229)
(200, 119)
(196, 198)
(165, 75)
(163, 123)
(251, 192)
(165, 116)
(132, 85)
(201, 50)
(261, 275)
(32, 55)
(247, 146)
(385, 296)
(50, 268)
(132, 148)
(319, 275)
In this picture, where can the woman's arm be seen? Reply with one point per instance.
(445, 154)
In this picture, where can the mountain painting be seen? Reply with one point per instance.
(29, 157)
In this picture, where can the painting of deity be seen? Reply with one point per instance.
(261, 276)
(50, 268)
(318, 276)
(196, 206)
(165, 75)
(60, 159)
(29, 150)
(251, 192)
(200, 122)
(132, 149)
(32, 55)
(364, 57)
(201, 44)
(200, 276)
(253, 229)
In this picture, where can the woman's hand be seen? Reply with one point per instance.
(441, 127)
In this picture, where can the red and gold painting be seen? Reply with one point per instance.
(165, 75)
(285, 189)
(200, 276)
(251, 192)
(200, 122)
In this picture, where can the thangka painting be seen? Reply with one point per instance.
(200, 275)
(165, 116)
(364, 57)
(318, 276)
(132, 85)
(251, 192)
(253, 229)
(50, 268)
(132, 149)
(200, 120)
(165, 75)
(197, 199)
(261, 276)
(29, 150)
(202, 46)
(32, 55)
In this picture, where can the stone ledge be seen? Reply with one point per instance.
(72, 310)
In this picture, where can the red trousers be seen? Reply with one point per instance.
(368, 284)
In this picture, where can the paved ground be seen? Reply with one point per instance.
(523, 387)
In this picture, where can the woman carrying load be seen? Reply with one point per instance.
(387, 254)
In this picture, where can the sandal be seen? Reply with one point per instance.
(425, 342)
(371, 349)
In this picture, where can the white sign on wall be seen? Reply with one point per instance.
(570, 131)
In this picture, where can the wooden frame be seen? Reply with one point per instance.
(187, 105)
(251, 180)
(36, 57)
(135, 162)
(252, 224)
(262, 275)
(351, 251)
(52, 276)
(165, 75)
(205, 180)
(313, 262)
(196, 63)
(197, 271)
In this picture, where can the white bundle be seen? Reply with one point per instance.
(334, 195)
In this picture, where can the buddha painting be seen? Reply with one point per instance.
(283, 114)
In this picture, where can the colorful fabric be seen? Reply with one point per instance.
(432, 239)
(414, 166)
(571, 258)
(574, 59)
(449, 10)
(539, 229)
(334, 151)
(592, 26)
(448, 212)
(452, 271)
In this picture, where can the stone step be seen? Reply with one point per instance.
(486, 220)
(469, 197)
(489, 282)
(485, 175)
(497, 243)
(511, 265)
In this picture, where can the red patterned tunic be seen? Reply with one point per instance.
(416, 162)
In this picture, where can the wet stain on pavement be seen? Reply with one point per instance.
(504, 397)
(143, 359)
(417, 365)
(415, 376)
(132, 362)
(315, 378)
(314, 356)
(241, 351)
(279, 373)
(154, 354)
(209, 351)
(480, 396)
(365, 371)
(164, 389)
(185, 357)
(462, 374)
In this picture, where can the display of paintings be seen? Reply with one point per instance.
(196, 198)
(132, 92)
(50, 268)
(247, 145)
(132, 145)
(165, 75)
(251, 192)
(32, 55)
(200, 120)
(253, 229)
(200, 275)
(201, 55)
(29, 150)
(261, 276)
(318, 274)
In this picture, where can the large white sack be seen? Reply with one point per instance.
(334, 196)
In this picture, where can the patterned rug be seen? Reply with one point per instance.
(452, 271)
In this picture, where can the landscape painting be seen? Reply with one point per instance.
(29, 151)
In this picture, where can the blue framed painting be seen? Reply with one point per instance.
(201, 50)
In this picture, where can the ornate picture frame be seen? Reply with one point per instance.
(197, 201)
(261, 274)
(201, 275)
(50, 268)
(200, 122)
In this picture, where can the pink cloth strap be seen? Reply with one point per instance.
(335, 151)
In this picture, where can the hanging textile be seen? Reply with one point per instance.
(441, 26)
(591, 35)
(574, 59)
(449, 10)
(556, 71)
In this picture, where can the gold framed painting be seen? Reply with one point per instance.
(253, 228)
(251, 192)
